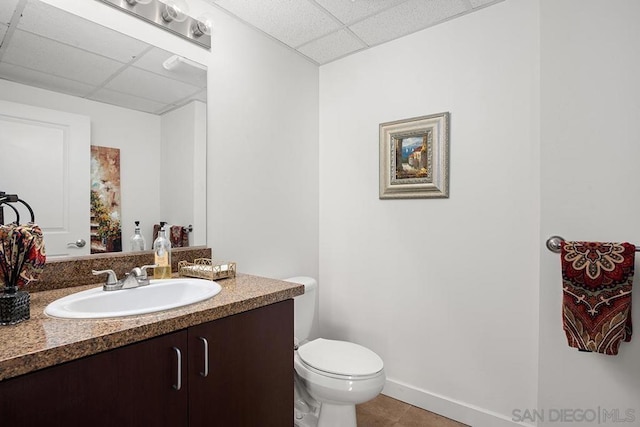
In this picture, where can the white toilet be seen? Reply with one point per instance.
(331, 376)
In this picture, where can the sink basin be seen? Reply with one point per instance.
(158, 295)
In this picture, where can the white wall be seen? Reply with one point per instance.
(183, 164)
(446, 291)
(263, 154)
(136, 134)
(590, 178)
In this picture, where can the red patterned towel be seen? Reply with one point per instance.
(179, 236)
(596, 304)
(22, 254)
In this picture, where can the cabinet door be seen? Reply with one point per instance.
(249, 382)
(128, 386)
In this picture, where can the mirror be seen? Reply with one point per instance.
(146, 102)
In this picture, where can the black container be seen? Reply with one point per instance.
(14, 306)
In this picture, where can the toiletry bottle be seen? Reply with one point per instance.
(137, 240)
(162, 254)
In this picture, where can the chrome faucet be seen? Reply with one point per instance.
(136, 278)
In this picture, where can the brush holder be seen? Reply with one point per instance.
(14, 306)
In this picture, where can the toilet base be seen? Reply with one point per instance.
(332, 415)
(305, 413)
(328, 415)
(305, 420)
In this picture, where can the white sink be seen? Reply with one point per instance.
(158, 295)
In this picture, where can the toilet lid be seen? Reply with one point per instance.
(340, 357)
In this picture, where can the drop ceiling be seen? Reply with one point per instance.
(326, 30)
(84, 59)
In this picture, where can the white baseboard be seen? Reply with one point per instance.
(459, 411)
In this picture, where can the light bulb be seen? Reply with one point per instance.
(202, 25)
(175, 10)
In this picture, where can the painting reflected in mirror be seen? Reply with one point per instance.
(106, 228)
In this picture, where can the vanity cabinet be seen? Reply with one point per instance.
(250, 369)
(128, 386)
(234, 371)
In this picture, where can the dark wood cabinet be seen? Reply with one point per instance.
(128, 386)
(249, 381)
(162, 382)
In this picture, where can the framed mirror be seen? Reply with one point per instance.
(67, 84)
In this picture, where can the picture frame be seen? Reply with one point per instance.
(106, 225)
(414, 157)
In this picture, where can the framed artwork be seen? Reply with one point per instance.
(414, 158)
(106, 228)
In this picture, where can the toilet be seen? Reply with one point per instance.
(331, 377)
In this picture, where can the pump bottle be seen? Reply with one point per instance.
(162, 254)
(137, 240)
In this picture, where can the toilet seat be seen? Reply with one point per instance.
(340, 359)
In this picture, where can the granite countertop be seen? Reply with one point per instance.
(43, 341)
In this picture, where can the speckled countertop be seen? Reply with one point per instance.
(43, 341)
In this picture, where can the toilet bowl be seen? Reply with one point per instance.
(339, 375)
(336, 375)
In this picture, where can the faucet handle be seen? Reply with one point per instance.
(112, 279)
(143, 269)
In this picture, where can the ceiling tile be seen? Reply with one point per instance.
(305, 25)
(153, 60)
(171, 107)
(348, 11)
(43, 80)
(294, 22)
(41, 54)
(48, 21)
(69, 67)
(7, 7)
(406, 18)
(148, 85)
(126, 101)
(478, 3)
(331, 47)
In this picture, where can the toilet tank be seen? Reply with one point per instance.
(304, 307)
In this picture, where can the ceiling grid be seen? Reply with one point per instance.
(86, 60)
(327, 30)
(83, 59)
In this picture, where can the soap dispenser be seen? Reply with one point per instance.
(162, 254)
(137, 240)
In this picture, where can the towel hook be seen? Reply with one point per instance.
(554, 244)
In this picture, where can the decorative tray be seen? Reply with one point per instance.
(206, 268)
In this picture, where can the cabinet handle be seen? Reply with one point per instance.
(178, 384)
(205, 343)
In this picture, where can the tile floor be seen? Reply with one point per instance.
(384, 411)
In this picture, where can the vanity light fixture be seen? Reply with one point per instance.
(203, 25)
(171, 15)
(175, 10)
